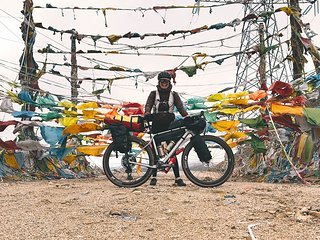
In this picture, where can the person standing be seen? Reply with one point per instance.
(161, 103)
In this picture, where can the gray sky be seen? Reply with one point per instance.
(214, 78)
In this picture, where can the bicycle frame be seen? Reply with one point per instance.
(164, 159)
(142, 159)
(175, 147)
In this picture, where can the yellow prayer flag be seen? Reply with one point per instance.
(279, 109)
(94, 150)
(52, 167)
(10, 159)
(14, 97)
(238, 94)
(287, 10)
(69, 158)
(138, 166)
(226, 125)
(231, 111)
(239, 101)
(235, 135)
(126, 118)
(232, 144)
(302, 142)
(70, 113)
(83, 127)
(90, 114)
(66, 104)
(252, 108)
(83, 106)
(216, 97)
(67, 121)
(113, 38)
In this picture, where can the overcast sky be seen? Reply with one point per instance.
(214, 78)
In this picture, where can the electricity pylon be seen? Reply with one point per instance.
(258, 69)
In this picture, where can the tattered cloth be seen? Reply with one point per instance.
(9, 145)
(4, 125)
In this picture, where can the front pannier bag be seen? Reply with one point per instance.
(201, 148)
(120, 137)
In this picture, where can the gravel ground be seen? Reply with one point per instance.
(95, 209)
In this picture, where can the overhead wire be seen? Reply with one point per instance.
(149, 46)
(139, 9)
(46, 81)
(154, 46)
(43, 79)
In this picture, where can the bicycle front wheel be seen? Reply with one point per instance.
(214, 173)
(130, 169)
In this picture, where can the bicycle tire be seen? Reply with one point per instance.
(117, 168)
(204, 174)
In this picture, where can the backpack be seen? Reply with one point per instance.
(120, 136)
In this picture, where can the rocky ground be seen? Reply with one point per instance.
(95, 209)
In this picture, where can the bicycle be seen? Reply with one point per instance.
(134, 167)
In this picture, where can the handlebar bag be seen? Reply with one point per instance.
(195, 123)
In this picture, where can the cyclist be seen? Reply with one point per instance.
(161, 103)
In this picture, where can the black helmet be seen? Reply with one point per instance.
(164, 75)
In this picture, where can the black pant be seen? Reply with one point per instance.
(162, 127)
(175, 169)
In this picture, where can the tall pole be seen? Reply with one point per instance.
(262, 65)
(297, 48)
(74, 69)
(252, 36)
(28, 66)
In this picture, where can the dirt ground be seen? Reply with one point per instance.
(96, 209)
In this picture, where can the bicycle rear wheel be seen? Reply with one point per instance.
(123, 169)
(211, 174)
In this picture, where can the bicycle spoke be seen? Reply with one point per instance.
(129, 169)
(216, 171)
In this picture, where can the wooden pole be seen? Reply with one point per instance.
(297, 48)
(28, 66)
(74, 69)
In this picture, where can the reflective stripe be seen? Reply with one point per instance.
(157, 102)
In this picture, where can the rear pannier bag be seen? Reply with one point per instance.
(132, 123)
(120, 137)
(201, 148)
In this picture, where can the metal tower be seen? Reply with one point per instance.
(254, 70)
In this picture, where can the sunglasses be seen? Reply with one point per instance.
(164, 81)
